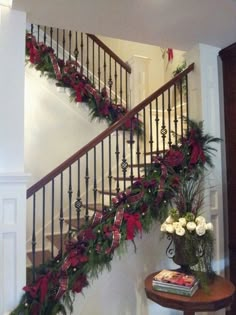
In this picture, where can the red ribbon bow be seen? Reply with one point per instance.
(132, 224)
(41, 287)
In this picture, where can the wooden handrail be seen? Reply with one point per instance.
(110, 52)
(46, 179)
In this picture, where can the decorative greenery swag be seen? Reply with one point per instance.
(133, 211)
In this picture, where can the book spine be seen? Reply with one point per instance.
(171, 290)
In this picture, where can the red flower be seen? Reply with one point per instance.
(173, 158)
(79, 284)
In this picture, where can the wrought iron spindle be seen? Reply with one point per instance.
(126, 90)
(93, 56)
(131, 142)
(187, 100)
(87, 189)
(104, 69)
(115, 76)
(117, 153)
(63, 45)
(43, 226)
(44, 34)
(175, 116)
(87, 60)
(138, 153)
(124, 163)
(109, 166)
(181, 107)
(51, 35)
(121, 91)
(150, 128)
(70, 192)
(110, 83)
(61, 218)
(99, 69)
(32, 29)
(144, 142)
(169, 118)
(76, 51)
(82, 51)
(38, 27)
(70, 35)
(33, 238)
(57, 41)
(52, 218)
(163, 126)
(102, 156)
(95, 178)
(78, 203)
(157, 126)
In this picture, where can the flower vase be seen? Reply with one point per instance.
(185, 254)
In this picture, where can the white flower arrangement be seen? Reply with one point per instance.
(188, 223)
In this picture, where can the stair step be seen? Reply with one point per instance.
(39, 257)
(126, 178)
(156, 152)
(74, 222)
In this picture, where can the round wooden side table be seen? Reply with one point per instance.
(220, 295)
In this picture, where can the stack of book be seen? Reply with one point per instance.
(176, 282)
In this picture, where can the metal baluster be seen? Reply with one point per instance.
(126, 90)
(187, 100)
(95, 178)
(109, 172)
(138, 149)
(102, 154)
(78, 203)
(70, 192)
(87, 188)
(144, 143)
(32, 29)
(110, 83)
(150, 128)
(176, 118)
(93, 62)
(181, 108)
(105, 69)
(163, 126)
(70, 35)
(124, 163)
(169, 118)
(117, 162)
(43, 227)
(121, 92)
(82, 51)
(115, 82)
(61, 218)
(76, 51)
(87, 61)
(157, 126)
(33, 238)
(44, 35)
(57, 41)
(51, 35)
(52, 220)
(63, 45)
(38, 32)
(99, 69)
(131, 142)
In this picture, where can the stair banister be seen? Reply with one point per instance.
(117, 125)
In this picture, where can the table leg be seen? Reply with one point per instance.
(189, 312)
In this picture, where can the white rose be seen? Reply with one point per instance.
(170, 228)
(209, 226)
(169, 220)
(191, 226)
(180, 231)
(182, 221)
(201, 229)
(163, 227)
(177, 225)
(200, 220)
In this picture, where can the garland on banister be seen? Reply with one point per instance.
(70, 75)
(133, 211)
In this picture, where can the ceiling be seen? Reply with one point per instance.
(168, 23)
